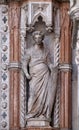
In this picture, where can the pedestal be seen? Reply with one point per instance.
(38, 122)
(40, 128)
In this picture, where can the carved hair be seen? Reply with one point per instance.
(38, 33)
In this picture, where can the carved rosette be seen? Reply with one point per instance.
(4, 74)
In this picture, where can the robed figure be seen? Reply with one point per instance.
(42, 77)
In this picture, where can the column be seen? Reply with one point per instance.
(14, 21)
(65, 68)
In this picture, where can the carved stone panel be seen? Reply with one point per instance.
(4, 74)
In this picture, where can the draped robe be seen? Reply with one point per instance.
(41, 89)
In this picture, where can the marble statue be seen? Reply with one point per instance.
(72, 2)
(42, 77)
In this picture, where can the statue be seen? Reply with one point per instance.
(42, 77)
(72, 2)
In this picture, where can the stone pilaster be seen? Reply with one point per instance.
(65, 68)
(14, 19)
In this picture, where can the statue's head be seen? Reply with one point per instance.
(38, 36)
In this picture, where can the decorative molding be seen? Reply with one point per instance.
(14, 65)
(65, 67)
(4, 73)
(57, 108)
(56, 118)
(23, 28)
(56, 51)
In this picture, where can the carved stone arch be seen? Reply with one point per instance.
(35, 18)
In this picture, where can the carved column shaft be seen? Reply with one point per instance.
(14, 16)
(65, 109)
(65, 67)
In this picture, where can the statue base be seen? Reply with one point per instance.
(38, 122)
(40, 128)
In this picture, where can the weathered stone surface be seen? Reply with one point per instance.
(43, 82)
(65, 76)
(14, 16)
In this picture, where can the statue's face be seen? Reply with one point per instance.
(38, 39)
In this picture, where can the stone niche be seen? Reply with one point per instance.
(39, 16)
(18, 20)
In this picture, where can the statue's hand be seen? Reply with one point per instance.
(53, 68)
(28, 76)
(26, 72)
